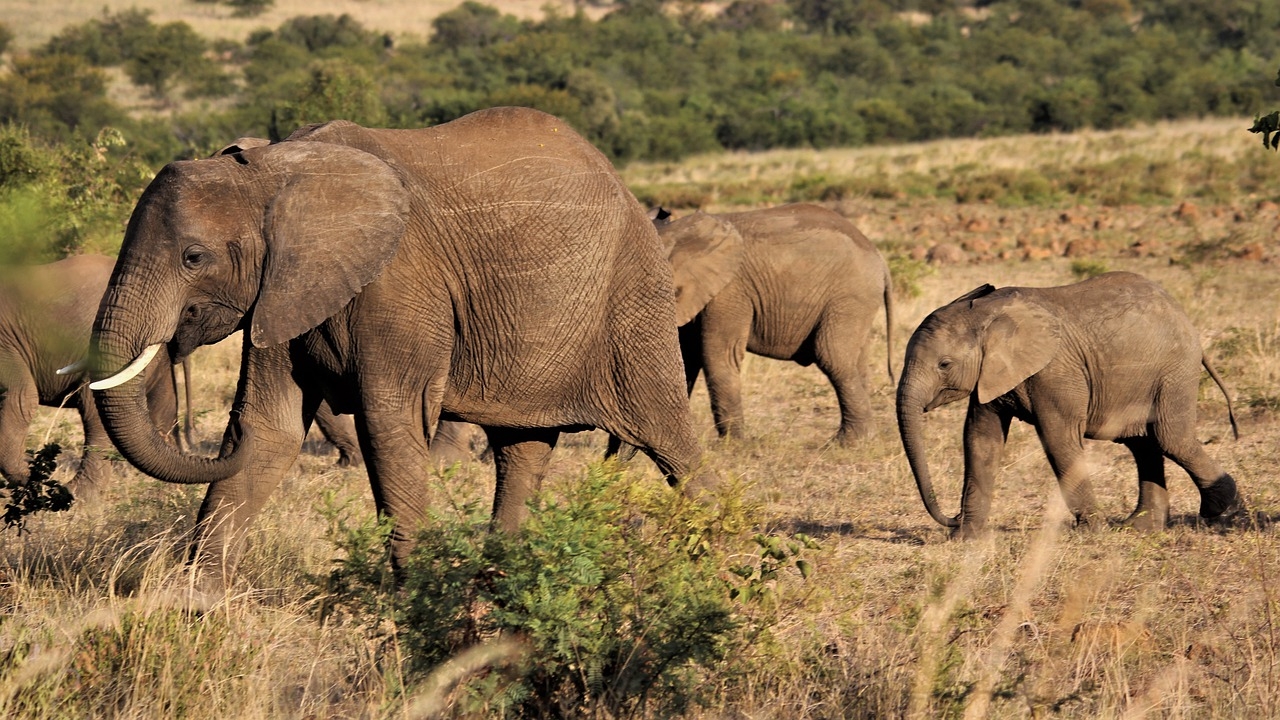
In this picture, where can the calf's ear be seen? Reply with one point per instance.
(705, 252)
(1018, 341)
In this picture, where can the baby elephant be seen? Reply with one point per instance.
(46, 316)
(795, 282)
(1110, 358)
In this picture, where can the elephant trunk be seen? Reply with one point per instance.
(911, 405)
(124, 412)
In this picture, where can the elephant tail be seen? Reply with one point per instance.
(888, 321)
(1231, 413)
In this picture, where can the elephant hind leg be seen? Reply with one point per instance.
(1175, 431)
(520, 458)
(839, 347)
(1152, 512)
(1219, 497)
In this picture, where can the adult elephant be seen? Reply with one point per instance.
(493, 269)
(1111, 358)
(796, 282)
(46, 318)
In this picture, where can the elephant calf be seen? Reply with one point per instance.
(46, 317)
(1110, 358)
(796, 282)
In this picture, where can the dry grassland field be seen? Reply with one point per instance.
(895, 620)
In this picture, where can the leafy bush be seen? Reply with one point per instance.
(1084, 269)
(615, 592)
(40, 493)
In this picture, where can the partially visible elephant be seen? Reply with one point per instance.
(493, 269)
(796, 282)
(46, 318)
(340, 430)
(1110, 358)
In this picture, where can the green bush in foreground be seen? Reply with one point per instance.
(619, 594)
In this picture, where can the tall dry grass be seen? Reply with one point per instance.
(895, 621)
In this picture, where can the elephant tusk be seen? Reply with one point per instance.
(74, 368)
(129, 372)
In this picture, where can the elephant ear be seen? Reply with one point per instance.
(242, 144)
(979, 292)
(333, 225)
(1020, 339)
(705, 253)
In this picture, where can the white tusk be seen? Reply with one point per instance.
(74, 368)
(129, 372)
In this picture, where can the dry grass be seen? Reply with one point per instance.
(896, 621)
(34, 22)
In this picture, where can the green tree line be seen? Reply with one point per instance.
(654, 80)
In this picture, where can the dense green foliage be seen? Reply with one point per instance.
(647, 81)
(615, 593)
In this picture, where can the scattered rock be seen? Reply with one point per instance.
(946, 254)
(977, 225)
(1142, 249)
(1267, 206)
(1187, 211)
(918, 253)
(1037, 253)
(976, 245)
(1253, 252)
(1082, 247)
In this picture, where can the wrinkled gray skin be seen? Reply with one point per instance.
(46, 317)
(796, 282)
(1111, 358)
(493, 269)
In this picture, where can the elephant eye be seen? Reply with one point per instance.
(194, 256)
(944, 363)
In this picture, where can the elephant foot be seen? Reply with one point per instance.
(850, 437)
(349, 458)
(970, 531)
(1146, 520)
(1236, 514)
(86, 489)
(1221, 499)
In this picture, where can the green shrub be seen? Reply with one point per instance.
(616, 592)
(1084, 269)
(40, 493)
(907, 274)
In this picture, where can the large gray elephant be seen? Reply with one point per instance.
(46, 318)
(1111, 358)
(493, 269)
(796, 282)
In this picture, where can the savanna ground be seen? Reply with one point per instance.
(894, 620)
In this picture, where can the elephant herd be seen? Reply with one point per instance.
(495, 270)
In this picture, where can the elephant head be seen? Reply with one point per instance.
(705, 252)
(272, 240)
(982, 345)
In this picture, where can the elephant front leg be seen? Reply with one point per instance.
(985, 433)
(1152, 512)
(92, 477)
(520, 458)
(18, 402)
(272, 409)
(724, 343)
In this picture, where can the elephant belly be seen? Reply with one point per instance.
(1125, 420)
